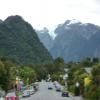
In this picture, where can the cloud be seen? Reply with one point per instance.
(49, 13)
(97, 1)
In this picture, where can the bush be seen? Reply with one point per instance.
(92, 93)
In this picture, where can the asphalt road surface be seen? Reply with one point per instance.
(45, 94)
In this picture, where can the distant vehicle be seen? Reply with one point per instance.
(57, 85)
(58, 88)
(11, 96)
(36, 87)
(50, 86)
(65, 94)
(26, 93)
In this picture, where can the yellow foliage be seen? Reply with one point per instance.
(87, 81)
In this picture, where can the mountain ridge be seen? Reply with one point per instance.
(76, 41)
(18, 40)
(45, 38)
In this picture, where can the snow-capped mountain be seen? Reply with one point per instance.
(84, 29)
(75, 40)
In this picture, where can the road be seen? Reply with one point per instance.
(45, 94)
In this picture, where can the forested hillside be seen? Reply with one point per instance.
(19, 41)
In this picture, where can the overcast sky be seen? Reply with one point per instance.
(48, 13)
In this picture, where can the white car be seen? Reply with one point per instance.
(26, 93)
(31, 90)
(58, 87)
(50, 86)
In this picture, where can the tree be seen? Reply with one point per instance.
(95, 60)
(87, 62)
(59, 60)
(96, 74)
(93, 90)
(76, 74)
(7, 74)
(27, 74)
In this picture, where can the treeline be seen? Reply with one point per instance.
(9, 71)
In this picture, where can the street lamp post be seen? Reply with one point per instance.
(77, 84)
(77, 89)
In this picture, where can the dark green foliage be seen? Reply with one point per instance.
(93, 91)
(27, 74)
(7, 74)
(95, 60)
(96, 74)
(54, 69)
(41, 71)
(9, 71)
(76, 74)
(19, 41)
(59, 60)
(87, 62)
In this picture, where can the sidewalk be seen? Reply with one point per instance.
(76, 97)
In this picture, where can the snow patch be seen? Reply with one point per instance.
(74, 21)
(85, 24)
(67, 28)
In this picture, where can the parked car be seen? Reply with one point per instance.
(58, 88)
(31, 90)
(12, 96)
(36, 86)
(50, 87)
(65, 94)
(26, 93)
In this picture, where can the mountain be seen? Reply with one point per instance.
(45, 38)
(94, 44)
(75, 41)
(1, 21)
(19, 41)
